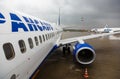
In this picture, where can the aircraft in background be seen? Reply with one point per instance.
(26, 41)
(106, 29)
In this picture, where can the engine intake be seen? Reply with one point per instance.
(84, 53)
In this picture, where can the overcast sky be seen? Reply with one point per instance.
(75, 13)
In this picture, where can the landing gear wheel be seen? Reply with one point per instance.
(66, 49)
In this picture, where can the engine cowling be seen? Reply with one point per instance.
(84, 53)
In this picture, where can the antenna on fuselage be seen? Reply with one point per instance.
(59, 18)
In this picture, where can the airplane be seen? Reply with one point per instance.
(26, 41)
(106, 29)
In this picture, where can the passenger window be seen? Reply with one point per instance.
(30, 43)
(36, 41)
(46, 37)
(40, 39)
(50, 35)
(22, 46)
(9, 51)
(43, 37)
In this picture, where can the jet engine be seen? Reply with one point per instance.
(84, 53)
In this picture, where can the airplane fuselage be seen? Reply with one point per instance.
(25, 41)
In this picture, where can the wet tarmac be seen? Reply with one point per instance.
(106, 65)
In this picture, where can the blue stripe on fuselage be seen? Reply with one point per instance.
(54, 47)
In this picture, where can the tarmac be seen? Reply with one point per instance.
(106, 65)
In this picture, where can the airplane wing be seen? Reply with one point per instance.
(83, 53)
(81, 38)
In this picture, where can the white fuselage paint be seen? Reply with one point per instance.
(24, 64)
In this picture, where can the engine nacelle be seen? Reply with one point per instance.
(84, 53)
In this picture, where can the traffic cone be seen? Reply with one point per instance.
(86, 74)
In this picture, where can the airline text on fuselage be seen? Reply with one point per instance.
(32, 24)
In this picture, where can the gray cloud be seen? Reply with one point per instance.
(94, 12)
